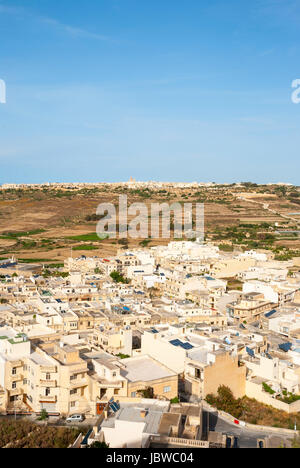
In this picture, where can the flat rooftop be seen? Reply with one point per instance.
(41, 360)
(144, 369)
(132, 413)
(167, 421)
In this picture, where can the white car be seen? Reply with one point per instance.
(75, 418)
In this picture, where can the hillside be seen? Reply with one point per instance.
(46, 223)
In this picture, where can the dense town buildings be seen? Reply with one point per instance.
(173, 331)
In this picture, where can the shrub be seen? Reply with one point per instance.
(123, 356)
(268, 389)
(44, 415)
(99, 445)
(175, 400)
(118, 278)
(147, 393)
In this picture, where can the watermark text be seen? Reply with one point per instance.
(296, 92)
(157, 221)
(2, 92)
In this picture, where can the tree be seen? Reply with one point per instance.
(225, 401)
(147, 393)
(98, 445)
(118, 278)
(44, 415)
(123, 356)
(154, 292)
(175, 400)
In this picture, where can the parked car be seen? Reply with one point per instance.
(75, 418)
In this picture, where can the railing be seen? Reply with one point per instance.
(17, 363)
(16, 391)
(49, 369)
(194, 378)
(78, 370)
(180, 442)
(17, 376)
(117, 384)
(78, 383)
(48, 399)
(48, 383)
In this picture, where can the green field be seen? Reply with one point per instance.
(92, 237)
(85, 247)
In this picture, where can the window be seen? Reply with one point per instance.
(133, 394)
(14, 371)
(48, 391)
(167, 389)
(14, 385)
(73, 404)
(73, 392)
(48, 376)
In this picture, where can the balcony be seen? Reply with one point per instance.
(78, 383)
(17, 363)
(17, 377)
(48, 399)
(48, 383)
(74, 396)
(113, 384)
(78, 370)
(49, 369)
(193, 378)
(16, 391)
(170, 441)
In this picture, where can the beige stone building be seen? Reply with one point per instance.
(249, 307)
(111, 377)
(218, 368)
(231, 267)
(142, 372)
(114, 340)
(51, 376)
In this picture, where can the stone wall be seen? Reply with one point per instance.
(254, 390)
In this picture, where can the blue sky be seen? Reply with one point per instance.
(102, 90)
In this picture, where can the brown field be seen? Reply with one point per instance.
(61, 215)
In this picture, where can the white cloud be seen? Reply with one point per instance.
(52, 22)
(72, 30)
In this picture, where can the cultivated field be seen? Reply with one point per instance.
(46, 224)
